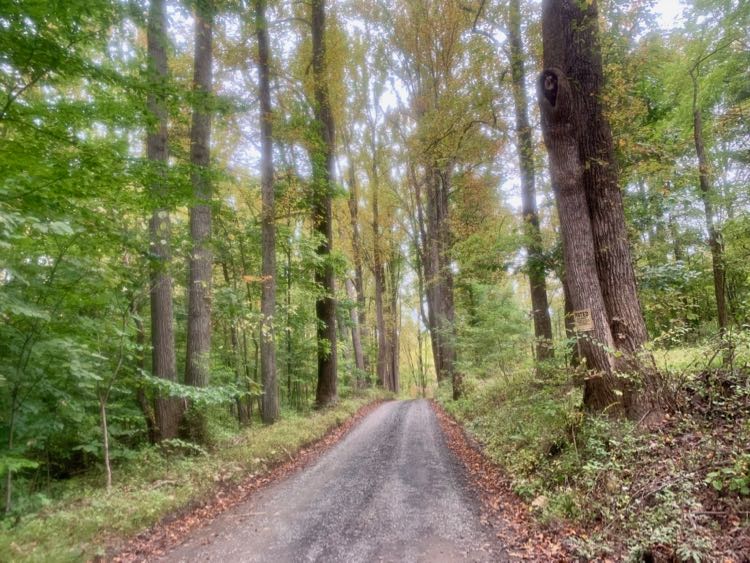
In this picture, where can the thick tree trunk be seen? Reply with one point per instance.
(440, 279)
(268, 226)
(533, 238)
(201, 257)
(566, 169)
(325, 306)
(571, 47)
(572, 44)
(168, 410)
(715, 242)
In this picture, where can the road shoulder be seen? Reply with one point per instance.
(510, 518)
(174, 528)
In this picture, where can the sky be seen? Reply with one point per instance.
(669, 12)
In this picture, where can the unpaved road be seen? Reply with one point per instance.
(390, 491)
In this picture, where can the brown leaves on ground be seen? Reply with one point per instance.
(523, 537)
(157, 540)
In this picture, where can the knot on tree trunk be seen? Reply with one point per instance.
(555, 97)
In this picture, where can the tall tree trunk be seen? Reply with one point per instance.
(715, 242)
(322, 153)
(423, 317)
(359, 362)
(288, 306)
(394, 321)
(559, 128)
(427, 266)
(378, 270)
(572, 44)
(268, 226)
(440, 284)
(384, 363)
(201, 256)
(168, 411)
(433, 281)
(533, 238)
(359, 283)
(570, 92)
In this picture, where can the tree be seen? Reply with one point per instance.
(434, 64)
(359, 329)
(715, 242)
(592, 218)
(322, 163)
(718, 43)
(579, 254)
(168, 410)
(268, 225)
(359, 358)
(384, 364)
(200, 262)
(535, 264)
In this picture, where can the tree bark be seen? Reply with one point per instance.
(571, 47)
(268, 226)
(570, 333)
(200, 263)
(427, 259)
(359, 362)
(559, 129)
(322, 153)
(384, 363)
(427, 287)
(394, 324)
(359, 283)
(378, 270)
(572, 35)
(168, 410)
(201, 257)
(440, 279)
(715, 242)
(533, 239)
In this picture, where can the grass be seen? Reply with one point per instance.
(85, 519)
(678, 492)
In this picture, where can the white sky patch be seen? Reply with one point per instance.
(669, 13)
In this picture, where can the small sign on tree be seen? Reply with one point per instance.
(583, 321)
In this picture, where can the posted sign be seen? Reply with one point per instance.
(583, 321)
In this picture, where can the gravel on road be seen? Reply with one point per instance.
(390, 491)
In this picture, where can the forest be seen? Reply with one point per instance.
(228, 225)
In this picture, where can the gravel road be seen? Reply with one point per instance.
(389, 491)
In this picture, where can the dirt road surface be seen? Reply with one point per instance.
(390, 491)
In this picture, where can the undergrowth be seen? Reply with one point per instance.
(678, 492)
(78, 519)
